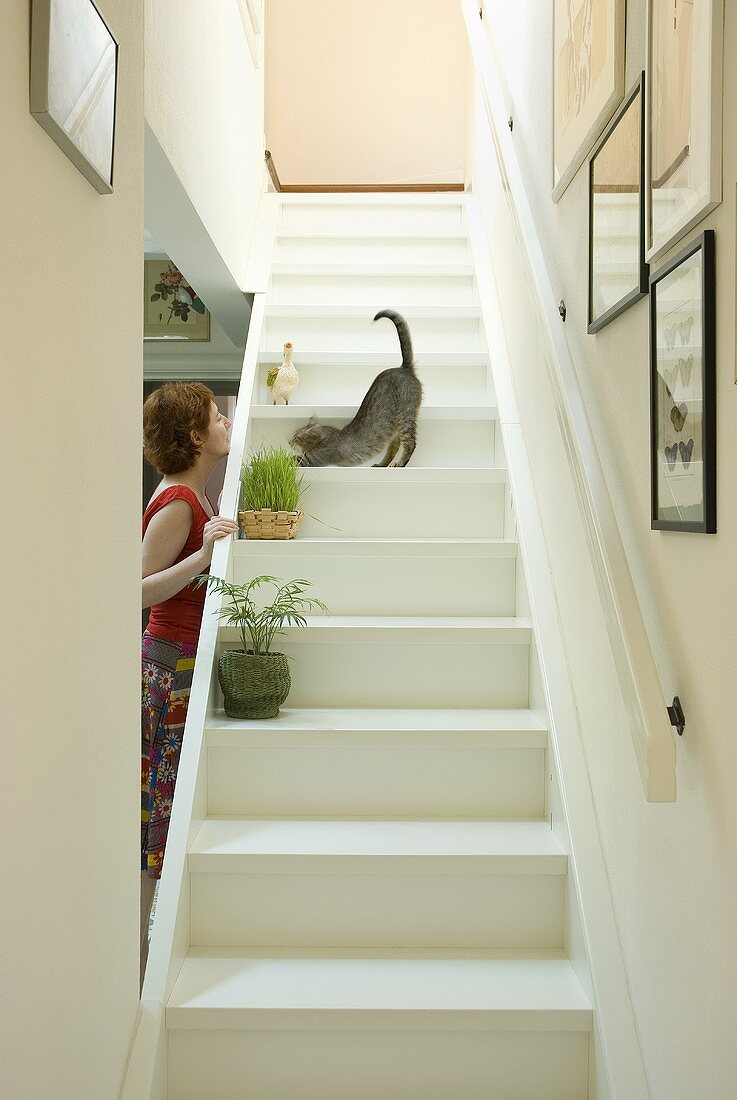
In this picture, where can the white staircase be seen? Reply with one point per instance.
(377, 901)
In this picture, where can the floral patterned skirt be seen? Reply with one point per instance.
(166, 681)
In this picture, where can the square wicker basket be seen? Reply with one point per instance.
(270, 525)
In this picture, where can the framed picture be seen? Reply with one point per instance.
(683, 390)
(684, 118)
(74, 76)
(172, 310)
(588, 79)
(618, 272)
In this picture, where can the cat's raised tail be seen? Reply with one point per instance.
(405, 340)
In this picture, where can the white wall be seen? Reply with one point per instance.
(672, 868)
(71, 291)
(204, 103)
(362, 92)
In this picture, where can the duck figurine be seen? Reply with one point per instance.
(282, 381)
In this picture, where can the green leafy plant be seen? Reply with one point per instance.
(271, 479)
(259, 626)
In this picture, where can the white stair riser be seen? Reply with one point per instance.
(386, 1065)
(399, 585)
(399, 290)
(430, 334)
(368, 216)
(382, 782)
(407, 675)
(377, 910)
(404, 511)
(444, 385)
(439, 442)
(372, 250)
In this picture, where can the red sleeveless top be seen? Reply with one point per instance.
(178, 619)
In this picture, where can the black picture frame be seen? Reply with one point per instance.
(676, 379)
(598, 322)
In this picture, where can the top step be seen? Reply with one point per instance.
(434, 211)
(421, 233)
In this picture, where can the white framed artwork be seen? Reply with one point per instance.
(74, 68)
(588, 79)
(684, 118)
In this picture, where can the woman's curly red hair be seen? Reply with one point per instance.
(170, 414)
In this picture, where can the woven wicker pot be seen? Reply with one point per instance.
(254, 686)
(270, 525)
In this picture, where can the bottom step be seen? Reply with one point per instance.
(377, 1065)
(377, 1025)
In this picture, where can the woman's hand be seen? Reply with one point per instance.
(216, 528)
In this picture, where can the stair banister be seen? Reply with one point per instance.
(170, 940)
(639, 680)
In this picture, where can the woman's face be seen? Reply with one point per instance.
(217, 442)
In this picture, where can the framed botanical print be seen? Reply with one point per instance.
(683, 390)
(618, 272)
(684, 118)
(172, 310)
(588, 79)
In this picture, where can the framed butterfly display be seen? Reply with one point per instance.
(683, 390)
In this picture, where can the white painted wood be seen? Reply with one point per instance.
(404, 629)
(396, 236)
(147, 1072)
(299, 412)
(401, 675)
(497, 989)
(453, 772)
(463, 442)
(448, 360)
(345, 661)
(650, 729)
(397, 289)
(616, 1030)
(408, 476)
(370, 724)
(238, 845)
(366, 213)
(365, 311)
(245, 549)
(344, 377)
(377, 861)
(394, 577)
(407, 908)
(301, 245)
(351, 329)
(365, 1065)
(312, 270)
(414, 502)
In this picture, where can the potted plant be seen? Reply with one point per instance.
(254, 680)
(271, 489)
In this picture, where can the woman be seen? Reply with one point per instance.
(185, 436)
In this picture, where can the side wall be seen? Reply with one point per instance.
(365, 93)
(204, 103)
(70, 264)
(671, 868)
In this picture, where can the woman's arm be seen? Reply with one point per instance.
(165, 536)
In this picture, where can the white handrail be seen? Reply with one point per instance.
(170, 941)
(650, 727)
